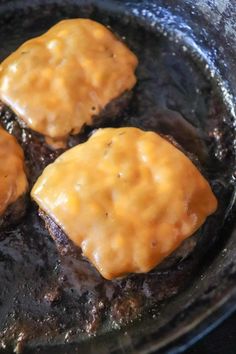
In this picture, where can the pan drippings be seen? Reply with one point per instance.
(49, 301)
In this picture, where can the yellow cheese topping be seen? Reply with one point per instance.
(57, 82)
(13, 182)
(127, 197)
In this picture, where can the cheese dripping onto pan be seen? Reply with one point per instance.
(127, 197)
(58, 81)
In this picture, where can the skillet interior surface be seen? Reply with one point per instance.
(45, 302)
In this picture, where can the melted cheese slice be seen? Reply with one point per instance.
(13, 182)
(57, 82)
(127, 197)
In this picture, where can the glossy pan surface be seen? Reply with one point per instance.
(186, 90)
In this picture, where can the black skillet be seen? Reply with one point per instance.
(187, 73)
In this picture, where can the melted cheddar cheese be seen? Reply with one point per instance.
(13, 182)
(127, 197)
(57, 82)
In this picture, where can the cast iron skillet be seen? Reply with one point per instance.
(187, 65)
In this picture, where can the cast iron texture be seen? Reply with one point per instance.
(199, 27)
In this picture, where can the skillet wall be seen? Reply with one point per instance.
(209, 27)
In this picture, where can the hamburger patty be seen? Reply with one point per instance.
(83, 66)
(37, 153)
(13, 180)
(14, 212)
(95, 190)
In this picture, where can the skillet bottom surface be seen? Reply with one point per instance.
(48, 300)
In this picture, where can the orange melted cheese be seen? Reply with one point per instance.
(127, 197)
(13, 182)
(57, 82)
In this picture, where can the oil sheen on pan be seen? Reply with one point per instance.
(47, 294)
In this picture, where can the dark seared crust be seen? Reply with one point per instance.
(37, 153)
(109, 116)
(17, 209)
(123, 299)
(24, 135)
(40, 308)
(14, 212)
(114, 109)
(65, 246)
